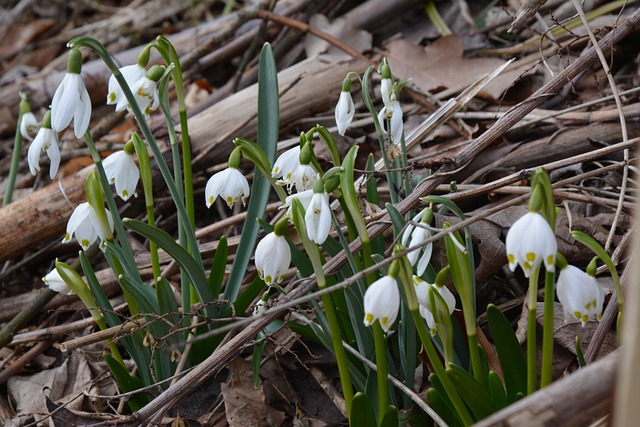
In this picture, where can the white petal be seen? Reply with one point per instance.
(82, 114)
(64, 102)
(286, 164)
(215, 184)
(345, 111)
(54, 281)
(53, 152)
(382, 302)
(27, 125)
(33, 155)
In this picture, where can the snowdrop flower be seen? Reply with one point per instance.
(318, 215)
(132, 74)
(28, 124)
(382, 302)
(145, 91)
(285, 166)
(273, 255)
(345, 109)
(415, 235)
(422, 293)
(531, 241)
(304, 197)
(304, 177)
(230, 184)
(71, 99)
(84, 223)
(580, 295)
(392, 112)
(122, 171)
(45, 140)
(54, 281)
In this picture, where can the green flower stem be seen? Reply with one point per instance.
(15, 164)
(117, 221)
(147, 183)
(328, 139)
(406, 276)
(253, 152)
(171, 56)
(367, 101)
(155, 149)
(336, 336)
(547, 331)
(531, 332)
(350, 201)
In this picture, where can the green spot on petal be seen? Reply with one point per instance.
(368, 317)
(530, 256)
(511, 258)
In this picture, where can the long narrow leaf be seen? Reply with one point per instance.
(182, 257)
(268, 118)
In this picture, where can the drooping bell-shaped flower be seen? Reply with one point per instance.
(285, 166)
(382, 302)
(86, 226)
(415, 235)
(345, 109)
(304, 197)
(71, 99)
(122, 171)
(145, 91)
(45, 140)
(422, 293)
(390, 117)
(580, 295)
(131, 74)
(115, 96)
(55, 282)
(530, 242)
(273, 255)
(318, 215)
(28, 121)
(230, 184)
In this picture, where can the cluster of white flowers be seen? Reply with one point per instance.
(531, 242)
(389, 117)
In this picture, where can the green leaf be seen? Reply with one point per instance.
(514, 366)
(390, 418)
(268, 120)
(496, 390)
(216, 276)
(396, 218)
(182, 257)
(475, 396)
(127, 383)
(256, 359)
(442, 407)
(361, 412)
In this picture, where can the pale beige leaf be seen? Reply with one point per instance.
(342, 30)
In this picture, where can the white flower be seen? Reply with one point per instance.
(71, 100)
(580, 295)
(392, 112)
(273, 257)
(382, 302)
(386, 91)
(230, 184)
(121, 169)
(54, 281)
(304, 177)
(531, 241)
(413, 236)
(145, 91)
(285, 166)
(85, 224)
(428, 316)
(28, 124)
(131, 73)
(345, 111)
(304, 197)
(318, 218)
(45, 140)
(422, 293)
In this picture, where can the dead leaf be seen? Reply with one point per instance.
(342, 30)
(245, 405)
(565, 333)
(442, 65)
